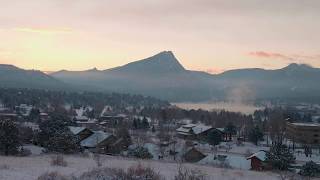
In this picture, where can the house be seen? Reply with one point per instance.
(109, 120)
(192, 155)
(81, 132)
(193, 131)
(118, 146)
(10, 116)
(304, 133)
(24, 109)
(258, 161)
(99, 141)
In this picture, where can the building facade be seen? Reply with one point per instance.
(304, 133)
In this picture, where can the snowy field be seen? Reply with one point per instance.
(29, 168)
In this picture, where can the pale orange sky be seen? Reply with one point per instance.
(210, 35)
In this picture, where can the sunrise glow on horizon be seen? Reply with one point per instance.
(207, 35)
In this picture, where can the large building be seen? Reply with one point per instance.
(304, 133)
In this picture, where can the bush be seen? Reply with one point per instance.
(141, 173)
(25, 152)
(52, 176)
(140, 152)
(58, 160)
(310, 169)
(134, 173)
(187, 174)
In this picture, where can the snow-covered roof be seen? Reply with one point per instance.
(307, 124)
(95, 139)
(76, 130)
(201, 128)
(196, 128)
(182, 129)
(260, 155)
(235, 161)
(220, 129)
(189, 125)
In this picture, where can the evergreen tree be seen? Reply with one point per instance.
(135, 123)
(280, 157)
(145, 123)
(310, 169)
(255, 135)
(63, 142)
(214, 138)
(230, 129)
(9, 137)
(56, 136)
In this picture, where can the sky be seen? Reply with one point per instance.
(208, 35)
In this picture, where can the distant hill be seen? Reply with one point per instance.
(14, 77)
(162, 76)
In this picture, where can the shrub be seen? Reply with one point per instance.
(187, 174)
(142, 173)
(310, 169)
(58, 160)
(140, 152)
(25, 152)
(52, 176)
(134, 173)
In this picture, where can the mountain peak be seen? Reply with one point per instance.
(163, 62)
(296, 66)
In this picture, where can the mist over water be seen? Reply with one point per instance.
(218, 106)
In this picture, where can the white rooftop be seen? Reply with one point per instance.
(307, 124)
(260, 155)
(95, 139)
(76, 130)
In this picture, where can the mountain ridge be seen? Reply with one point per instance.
(164, 77)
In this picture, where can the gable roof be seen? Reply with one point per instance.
(76, 130)
(261, 155)
(193, 128)
(201, 128)
(95, 139)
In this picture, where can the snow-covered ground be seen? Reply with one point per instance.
(29, 168)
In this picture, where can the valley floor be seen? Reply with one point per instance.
(29, 168)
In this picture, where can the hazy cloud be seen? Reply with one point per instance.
(287, 57)
(43, 30)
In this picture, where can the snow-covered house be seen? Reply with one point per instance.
(258, 160)
(24, 109)
(192, 155)
(193, 131)
(99, 141)
(81, 132)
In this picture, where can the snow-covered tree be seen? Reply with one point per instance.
(9, 137)
(63, 142)
(280, 157)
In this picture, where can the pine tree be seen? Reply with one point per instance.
(9, 137)
(214, 138)
(145, 123)
(255, 135)
(280, 157)
(63, 142)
